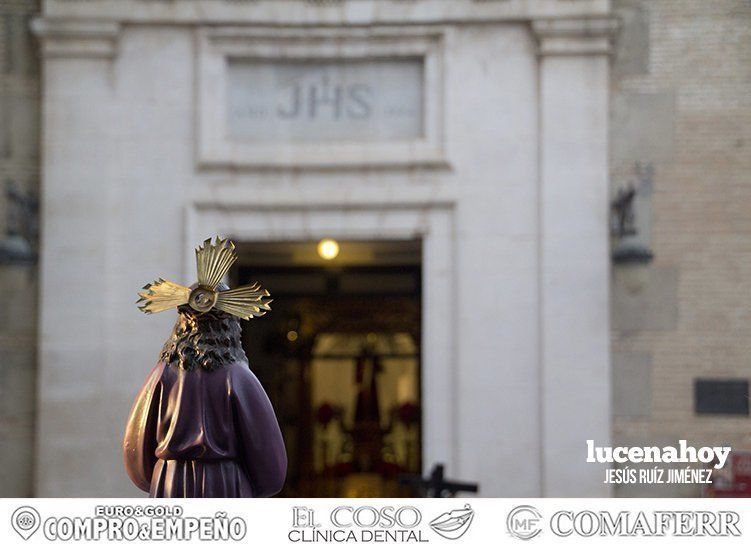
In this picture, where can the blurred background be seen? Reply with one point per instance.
(493, 230)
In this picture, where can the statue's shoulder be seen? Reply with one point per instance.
(240, 369)
(240, 375)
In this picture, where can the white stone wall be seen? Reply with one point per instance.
(516, 367)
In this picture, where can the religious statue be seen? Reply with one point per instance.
(202, 425)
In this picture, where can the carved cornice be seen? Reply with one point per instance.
(575, 37)
(76, 38)
(314, 13)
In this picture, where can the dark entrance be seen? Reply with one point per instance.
(340, 358)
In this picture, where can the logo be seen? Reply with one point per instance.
(361, 523)
(524, 522)
(453, 524)
(25, 521)
(588, 523)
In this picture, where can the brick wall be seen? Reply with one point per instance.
(681, 104)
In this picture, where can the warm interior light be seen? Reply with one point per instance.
(328, 249)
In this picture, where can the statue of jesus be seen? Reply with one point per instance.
(202, 425)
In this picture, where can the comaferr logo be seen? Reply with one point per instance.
(525, 523)
(640, 523)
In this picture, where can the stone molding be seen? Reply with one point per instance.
(216, 44)
(60, 38)
(575, 37)
(323, 12)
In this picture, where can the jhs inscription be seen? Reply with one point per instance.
(326, 101)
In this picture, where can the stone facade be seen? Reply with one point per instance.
(682, 104)
(506, 188)
(19, 165)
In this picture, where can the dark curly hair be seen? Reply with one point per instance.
(208, 341)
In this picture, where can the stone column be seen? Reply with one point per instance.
(574, 255)
(73, 435)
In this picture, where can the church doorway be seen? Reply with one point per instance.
(339, 356)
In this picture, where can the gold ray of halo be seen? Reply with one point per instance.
(162, 295)
(214, 260)
(244, 302)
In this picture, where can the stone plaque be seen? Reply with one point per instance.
(728, 397)
(320, 101)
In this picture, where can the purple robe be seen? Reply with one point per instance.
(204, 433)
